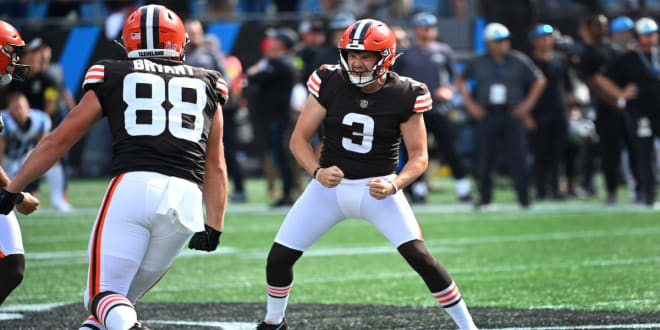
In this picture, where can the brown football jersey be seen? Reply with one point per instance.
(362, 131)
(160, 114)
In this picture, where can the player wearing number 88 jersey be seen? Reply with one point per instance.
(166, 123)
(365, 111)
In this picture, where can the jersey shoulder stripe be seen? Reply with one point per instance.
(314, 84)
(94, 75)
(221, 89)
(423, 103)
(317, 77)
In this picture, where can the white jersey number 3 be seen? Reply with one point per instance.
(367, 133)
(159, 117)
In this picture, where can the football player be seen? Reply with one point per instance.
(166, 123)
(365, 110)
(12, 258)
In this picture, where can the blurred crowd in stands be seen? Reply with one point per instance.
(552, 109)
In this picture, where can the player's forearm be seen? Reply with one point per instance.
(304, 153)
(4, 179)
(42, 158)
(215, 194)
(415, 166)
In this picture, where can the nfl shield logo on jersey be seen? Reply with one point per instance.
(364, 104)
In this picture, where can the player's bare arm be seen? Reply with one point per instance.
(413, 132)
(215, 177)
(28, 205)
(214, 189)
(54, 145)
(4, 179)
(307, 124)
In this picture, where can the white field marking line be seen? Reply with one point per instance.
(378, 249)
(600, 303)
(54, 259)
(208, 324)
(31, 307)
(239, 283)
(10, 316)
(386, 276)
(545, 207)
(588, 327)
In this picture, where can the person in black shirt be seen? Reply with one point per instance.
(642, 67)
(549, 129)
(271, 81)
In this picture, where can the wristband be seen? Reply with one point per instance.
(20, 198)
(315, 172)
(396, 189)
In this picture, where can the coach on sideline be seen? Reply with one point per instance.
(501, 106)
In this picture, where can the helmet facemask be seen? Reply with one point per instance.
(358, 78)
(11, 69)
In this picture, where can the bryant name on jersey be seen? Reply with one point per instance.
(362, 131)
(157, 108)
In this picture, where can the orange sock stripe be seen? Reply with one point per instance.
(95, 262)
(456, 296)
(451, 292)
(108, 302)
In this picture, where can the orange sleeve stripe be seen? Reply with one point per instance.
(223, 92)
(94, 77)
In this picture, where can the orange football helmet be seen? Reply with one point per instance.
(10, 44)
(154, 31)
(368, 35)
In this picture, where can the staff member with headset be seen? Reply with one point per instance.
(642, 68)
(507, 86)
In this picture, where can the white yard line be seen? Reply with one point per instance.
(588, 327)
(207, 324)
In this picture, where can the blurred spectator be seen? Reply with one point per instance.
(549, 131)
(336, 27)
(402, 40)
(507, 86)
(40, 89)
(204, 52)
(312, 35)
(271, 81)
(24, 127)
(609, 100)
(432, 62)
(623, 36)
(518, 15)
(642, 68)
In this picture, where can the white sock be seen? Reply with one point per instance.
(461, 316)
(462, 187)
(116, 312)
(91, 323)
(450, 299)
(277, 300)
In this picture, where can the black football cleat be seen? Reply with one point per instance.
(265, 326)
(138, 326)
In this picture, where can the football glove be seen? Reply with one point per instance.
(206, 240)
(8, 200)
